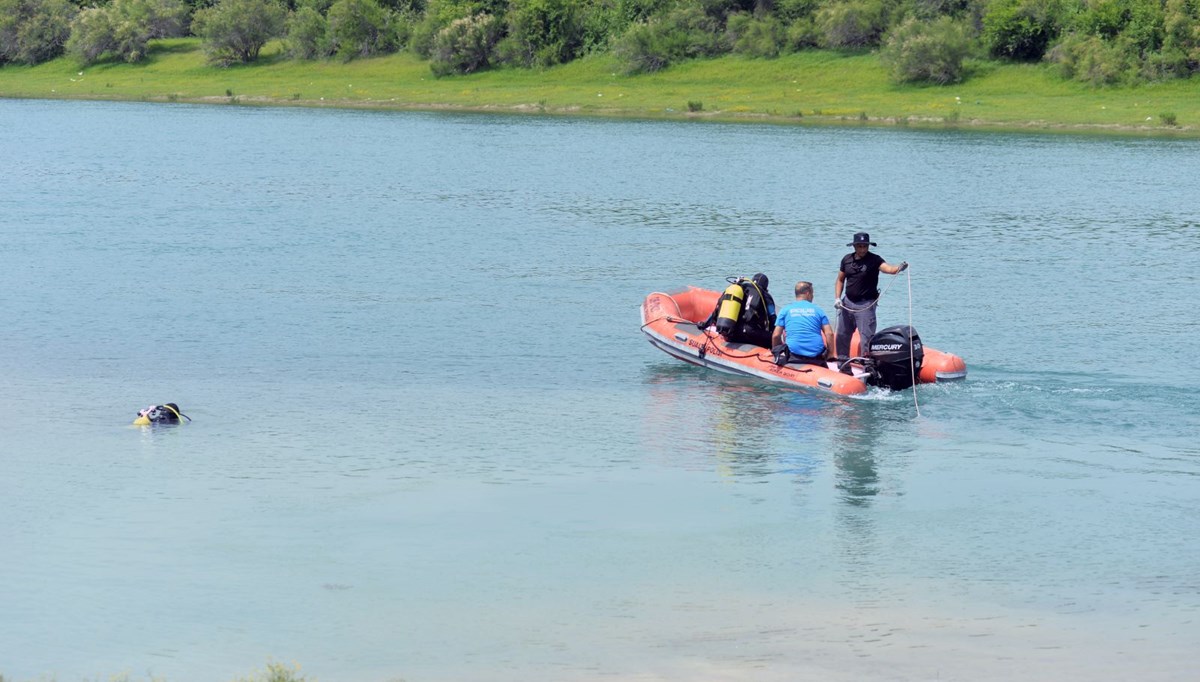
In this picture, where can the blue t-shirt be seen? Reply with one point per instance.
(803, 321)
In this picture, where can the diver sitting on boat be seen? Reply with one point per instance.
(802, 333)
(745, 313)
(160, 414)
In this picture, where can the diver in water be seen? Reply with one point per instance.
(755, 317)
(160, 414)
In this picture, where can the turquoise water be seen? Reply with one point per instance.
(430, 442)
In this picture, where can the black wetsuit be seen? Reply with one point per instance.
(756, 320)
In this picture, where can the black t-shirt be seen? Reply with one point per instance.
(862, 277)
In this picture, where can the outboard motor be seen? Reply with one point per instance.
(896, 354)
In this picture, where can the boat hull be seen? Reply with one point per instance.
(670, 323)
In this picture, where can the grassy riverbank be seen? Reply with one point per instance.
(810, 87)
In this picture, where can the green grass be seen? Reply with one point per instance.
(810, 87)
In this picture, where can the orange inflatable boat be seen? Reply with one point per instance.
(670, 322)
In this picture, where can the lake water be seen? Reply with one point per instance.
(431, 443)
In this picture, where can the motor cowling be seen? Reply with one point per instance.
(896, 354)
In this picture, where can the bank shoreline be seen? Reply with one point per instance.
(808, 89)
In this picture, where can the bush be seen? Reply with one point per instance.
(755, 36)
(1181, 33)
(124, 28)
(1090, 59)
(1020, 29)
(360, 28)
(802, 33)
(465, 45)
(603, 21)
(235, 30)
(438, 15)
(307, 35)
(852, 23)
(790, 10)
(542, 32)
(933, 52)
(34, 31)
(684, 33)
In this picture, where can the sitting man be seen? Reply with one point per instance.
(805, 330)
(756, 317)
(160, 414)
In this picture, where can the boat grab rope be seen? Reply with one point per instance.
(708, 342)
(708, 339)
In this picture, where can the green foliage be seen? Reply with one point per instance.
(542, 32)
(852, 24)
(123, 28)
(1181, 37)
(1091, 59)
(360, 28)
(791, 10)
(755, 36)
(801, 34)
(34, 31)
(930, 52)
(234, 31)
(1168, 118)
(1138, 21)
(466, 45)
(695, 106)
(684, 33)
(438, 15)
(1021, 29)
(308, 35)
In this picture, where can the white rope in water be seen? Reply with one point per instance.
(912, 360)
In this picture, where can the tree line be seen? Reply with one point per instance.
(1097, 41)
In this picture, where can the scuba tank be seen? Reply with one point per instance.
(730, 306)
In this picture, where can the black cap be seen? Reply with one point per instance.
(761, 280)
(862, 238)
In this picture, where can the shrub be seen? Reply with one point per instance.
(542, 32)
(933, 52)
(34, 31)
(791, 10)
(124, 28)
(755, 36)
(465, 45)
(1020, 29)
(683, 33)
(438, 15)
(852, 23)
(360, 28)
(307, 35)
(1168, 119)
(235, 30)
(802, 33)
(1090, 59)
(1181, 33)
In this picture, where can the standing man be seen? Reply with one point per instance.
(804, 328)
(859, 273)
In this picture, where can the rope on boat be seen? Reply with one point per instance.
(912, 361)
(708, 339)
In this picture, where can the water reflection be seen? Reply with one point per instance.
(748, 429)
(855, 440)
